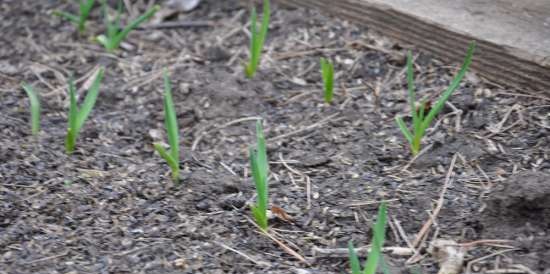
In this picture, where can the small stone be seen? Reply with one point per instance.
(203, 205)
(217, 54)
(231, 202)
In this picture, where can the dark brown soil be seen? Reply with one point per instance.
(111, 207)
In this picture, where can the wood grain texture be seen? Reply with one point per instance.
(503, 62)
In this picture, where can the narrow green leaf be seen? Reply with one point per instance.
(72, 131)
(260, 216)
(103, 40)
(134, 24)
(172, 163)
(261, 151)
(263, 165)
(250, 70)
(260, 170)
(259, 181)
(257, 38)
(68, 16)
(171, 124)
(35, 108)
(327, 72)
(379, 231)
(111, 29)
(438, 106)
(85, 9)
(353, 259)
(89, 101)
(265, 25)
(404, 129)
(170, 118)
(70, 141)
(415, 145)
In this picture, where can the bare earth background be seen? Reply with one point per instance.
(111, 208)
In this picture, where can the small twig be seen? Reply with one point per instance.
(498, 128)
(371, 202)
(294, 54)
(428, 224)
(228, 168)
(485, 242)
(284, 162)
(180, 24)
(242, 254)
(308, 192)
(403, 234)
(458, 113)
(281, 244)
(524, 268)
(307, 128)
(361, 251)
(206, 132)
(472, 262)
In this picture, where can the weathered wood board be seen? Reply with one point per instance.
(513, 37)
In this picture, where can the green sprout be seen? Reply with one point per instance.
(171, 156)
(375, 255)
(260, 170)
(78, 116)
(35, 108)
(327, 71)
(257, 39)
(421, 121)
(115, 32)
(79, 20)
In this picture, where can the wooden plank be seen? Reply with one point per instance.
(513, 38)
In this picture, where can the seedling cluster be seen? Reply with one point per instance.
(257, 39)
(79, 20)
(77, 116)
(422, 117)
(115, 31)
(171, 156)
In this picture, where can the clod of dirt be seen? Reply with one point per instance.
(519, 209)
(523, 198)
(442, 151)
(217, 54)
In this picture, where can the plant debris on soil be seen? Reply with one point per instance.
(482, 181)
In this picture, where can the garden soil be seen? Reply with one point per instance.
(482, 181)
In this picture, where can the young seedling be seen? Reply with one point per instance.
(257, 39)
(375, 255)
(115, 32)
(35, 108)
(171, 156)
(420, 120)
(85, 6)
(327, 71)
(260, 170)
(78, 116)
